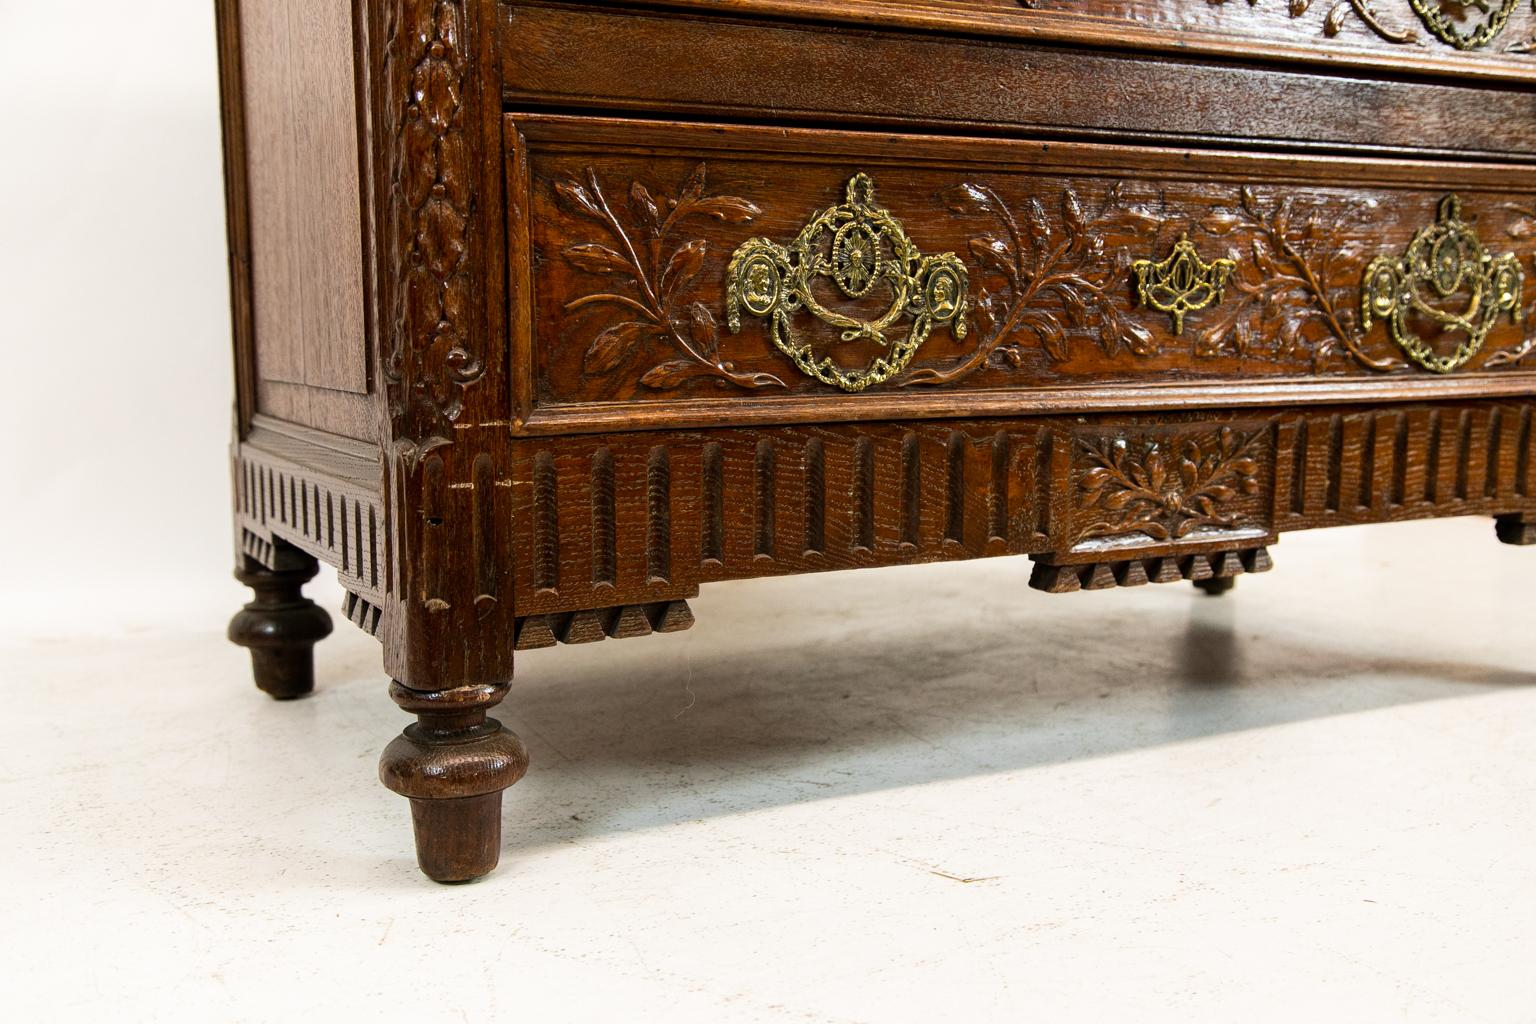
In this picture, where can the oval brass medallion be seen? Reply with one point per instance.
(859, 246)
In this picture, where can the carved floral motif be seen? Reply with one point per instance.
(1287, 304)
(1166, 489)
(1052, 275)
(660, 276)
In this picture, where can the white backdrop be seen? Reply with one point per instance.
(116, 385)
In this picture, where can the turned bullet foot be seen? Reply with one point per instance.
(1215, 586)
(453, 764)
(280, 627)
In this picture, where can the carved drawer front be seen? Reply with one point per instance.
(669, 275)
(1495, 37)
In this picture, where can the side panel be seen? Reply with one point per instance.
(305, 213)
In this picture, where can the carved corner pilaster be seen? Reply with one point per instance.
(451, 620)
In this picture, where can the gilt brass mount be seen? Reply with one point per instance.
(1496, 12)
(858, 246)
(1445, 261)
(1182, 283)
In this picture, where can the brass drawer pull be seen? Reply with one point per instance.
(1443, 261)
(858, 245)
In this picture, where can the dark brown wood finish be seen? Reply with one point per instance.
(1052, 313)
(602, 56)
(1380, 34)
(1132, 302)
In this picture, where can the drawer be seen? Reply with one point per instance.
(719, 68)
(1491, 38)
(670, 275)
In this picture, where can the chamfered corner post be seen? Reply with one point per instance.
(280, 626)
(447, 623)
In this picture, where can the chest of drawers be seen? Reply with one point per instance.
(547, 314)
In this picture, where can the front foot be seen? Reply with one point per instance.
(1215, 586)
(453, 764)
(281, 627)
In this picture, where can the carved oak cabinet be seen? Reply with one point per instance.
(548, 313)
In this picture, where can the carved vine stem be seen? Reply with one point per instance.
(1287, 262)
(660, 278)
(1043, 268)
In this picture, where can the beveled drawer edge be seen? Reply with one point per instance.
(1096, 398)
(665, 137)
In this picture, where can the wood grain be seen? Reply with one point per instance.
(1068, 327)
(712, 69)
(1316, 33)
(301, 130)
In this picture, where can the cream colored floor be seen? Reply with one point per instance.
(924, 794)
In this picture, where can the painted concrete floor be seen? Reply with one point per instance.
(924, 794)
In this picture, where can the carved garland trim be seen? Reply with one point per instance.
(429, 361)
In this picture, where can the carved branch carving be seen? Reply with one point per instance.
(1287, 303)
(1044, 268)
(1165, 491)
(660, 278)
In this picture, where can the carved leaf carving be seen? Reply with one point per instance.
(428, 363)
(1049, 277)
(1164, 490)
(659, 279)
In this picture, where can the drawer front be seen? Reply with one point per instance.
(670, 275)
(713, 68)
(1487, 37)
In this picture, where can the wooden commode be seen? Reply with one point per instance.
(547, 314)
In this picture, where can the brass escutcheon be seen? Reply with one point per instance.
(1182, 283)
